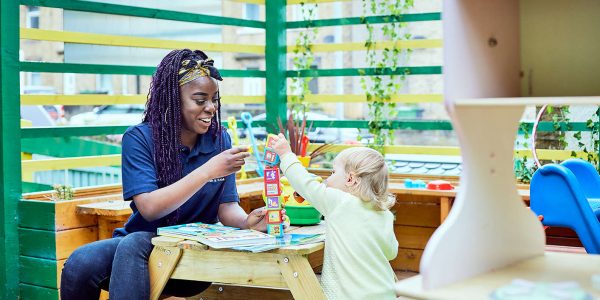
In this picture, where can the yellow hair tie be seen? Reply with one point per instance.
(198, 69)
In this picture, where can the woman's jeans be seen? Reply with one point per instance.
(119, 265)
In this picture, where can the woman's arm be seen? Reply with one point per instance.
(232, 214)
(159, 203)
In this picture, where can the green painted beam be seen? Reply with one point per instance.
(33, 292)
(434, 125)
(362, 20)
(549, 126)
(37, 243)
(68, 147)
(72, 131)
(67, 131)
(427, 70)
(30, 187)
(10, 157)
(413, 125)
(48, 67)
(136, 11)
(38, 272)
(35, 214)
(275, 60)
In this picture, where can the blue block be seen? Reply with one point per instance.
(275, 229)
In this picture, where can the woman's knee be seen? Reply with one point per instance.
(94, 259)
(136, 244)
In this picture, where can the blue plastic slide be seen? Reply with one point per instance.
(568, 195)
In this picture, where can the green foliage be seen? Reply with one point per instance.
(379, 89)
(303, 60)
(62, 193)
(561, 125)
(523, 172)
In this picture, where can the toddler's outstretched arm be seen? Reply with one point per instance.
(324, 199)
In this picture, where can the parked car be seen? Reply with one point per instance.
(316, 134)
(56, 112)
(120, 114)
(42, 115)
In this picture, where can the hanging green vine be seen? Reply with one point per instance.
(590, 147)
(303, 60)
(522, 168)
(558, 116)
(379, 88)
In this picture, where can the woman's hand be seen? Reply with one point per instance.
(281, 146)
(257, 219)
(226, 162)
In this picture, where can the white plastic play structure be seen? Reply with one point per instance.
(490, 237)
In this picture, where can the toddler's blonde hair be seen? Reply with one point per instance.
(371, 174)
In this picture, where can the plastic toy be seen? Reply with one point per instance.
(439, 185)
(568, 195)
(247, 119)
(414, 184)
(232, 125)
(275, 202)
(274, 199)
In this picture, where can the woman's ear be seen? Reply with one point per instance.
(352, 179)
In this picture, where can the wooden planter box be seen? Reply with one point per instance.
(49, 231)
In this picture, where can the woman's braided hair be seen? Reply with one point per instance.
(163, 112)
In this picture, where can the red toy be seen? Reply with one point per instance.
(439, 185)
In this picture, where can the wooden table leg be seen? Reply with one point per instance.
(300, 278)
(161, 264)
(445, 204)
(107, 224)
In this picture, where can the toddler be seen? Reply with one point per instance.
(360, 238)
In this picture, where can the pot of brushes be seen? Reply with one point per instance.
(297, 208)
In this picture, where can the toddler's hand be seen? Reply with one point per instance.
(281, 146)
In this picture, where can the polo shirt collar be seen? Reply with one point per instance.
(204, 144)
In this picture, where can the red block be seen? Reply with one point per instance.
(439, 185)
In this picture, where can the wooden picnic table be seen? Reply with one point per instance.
(290, 267)
(112, 214)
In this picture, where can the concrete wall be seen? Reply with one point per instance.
(560, 47)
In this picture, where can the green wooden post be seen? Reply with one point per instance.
(275, 60)
(10, 148)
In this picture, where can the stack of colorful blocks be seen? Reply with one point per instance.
(273, 190)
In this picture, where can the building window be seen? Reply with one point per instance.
(251, 11)
(252, 86)
(124, 84)
(33, 17)
(104, 84)
(69, 83)
(313, 84)
(299, 14)
(35, 79)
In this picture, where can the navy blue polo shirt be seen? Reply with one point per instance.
(139, 176)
